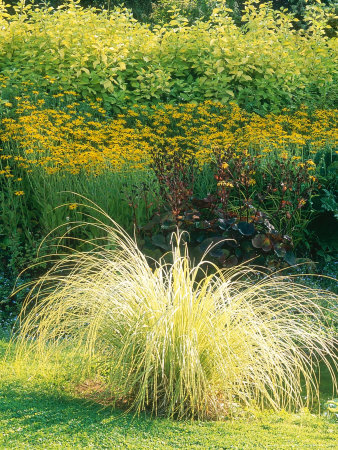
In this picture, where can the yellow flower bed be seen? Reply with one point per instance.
(69, 140)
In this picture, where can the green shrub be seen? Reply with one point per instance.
(264, 65)
(177, 340)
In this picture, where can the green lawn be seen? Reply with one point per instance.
(35, 414)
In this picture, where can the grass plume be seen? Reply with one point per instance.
(178, 340)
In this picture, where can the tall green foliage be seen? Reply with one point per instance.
(264, 65)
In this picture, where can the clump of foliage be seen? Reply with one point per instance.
(177, 340)
(264, 64)
(331, 408)
(254, 208)
(163, 10)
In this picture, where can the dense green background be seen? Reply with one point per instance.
(143, 8)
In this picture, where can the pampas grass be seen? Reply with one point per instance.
(177, 340)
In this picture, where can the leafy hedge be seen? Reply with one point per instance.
(264, 65)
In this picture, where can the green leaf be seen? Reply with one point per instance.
(290, 258)
(245, 228)
(159, 241)
(262, 241)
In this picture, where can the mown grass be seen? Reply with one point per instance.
(36, 414)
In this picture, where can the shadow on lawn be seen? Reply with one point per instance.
(42, 410)
(34, 415)
(33, 418)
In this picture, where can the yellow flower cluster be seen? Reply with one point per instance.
(57, 140)
(70, 140)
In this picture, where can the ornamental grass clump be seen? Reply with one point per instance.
(179, 339)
